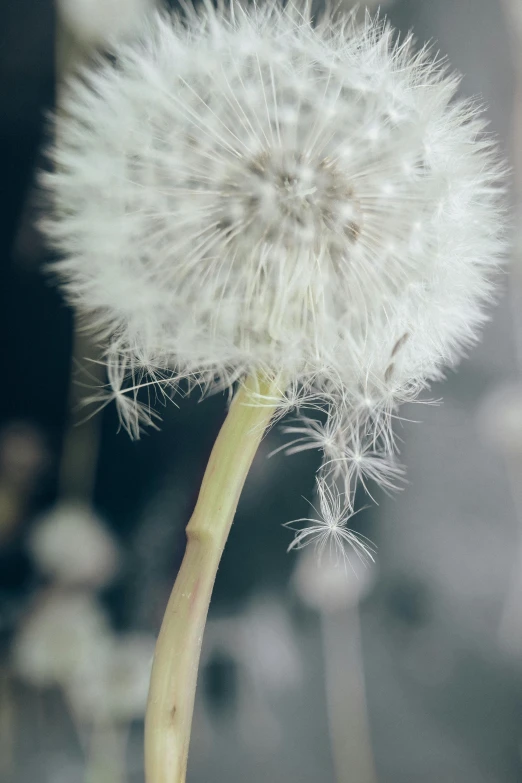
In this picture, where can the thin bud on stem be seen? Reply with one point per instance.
(176, 660)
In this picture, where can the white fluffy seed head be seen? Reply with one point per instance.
(246, 190)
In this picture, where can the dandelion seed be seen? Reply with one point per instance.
(329, 529)
(359, 461)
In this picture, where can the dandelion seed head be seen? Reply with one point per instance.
(250, 190)
(210, 217)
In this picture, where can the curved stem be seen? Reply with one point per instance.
(176, 659)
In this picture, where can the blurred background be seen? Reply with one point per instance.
(407, 671)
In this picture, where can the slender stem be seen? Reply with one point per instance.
(176, 660)
(346, 697)
(510, 627)
(8, 720)
(106, 759)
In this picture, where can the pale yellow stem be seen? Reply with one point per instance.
(176, 660)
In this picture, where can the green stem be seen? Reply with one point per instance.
(176, 660)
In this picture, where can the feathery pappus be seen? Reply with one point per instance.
(249, 190)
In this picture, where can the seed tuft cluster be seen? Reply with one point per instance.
(248, 190)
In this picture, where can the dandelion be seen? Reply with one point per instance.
(300, 207)
(72, 545)
(296, 201)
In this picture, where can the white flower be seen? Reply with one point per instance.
(71, 544)
(244, 191)
(64, 633)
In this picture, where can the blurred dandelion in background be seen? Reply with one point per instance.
(71, 545)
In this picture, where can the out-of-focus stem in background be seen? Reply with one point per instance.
(510, 626)
(335, 588)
